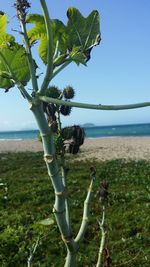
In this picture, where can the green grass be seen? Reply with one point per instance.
(30, 199)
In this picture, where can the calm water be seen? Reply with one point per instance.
(92, 132)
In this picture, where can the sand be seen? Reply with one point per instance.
(134, 148)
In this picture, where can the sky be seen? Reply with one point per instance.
(118, 72)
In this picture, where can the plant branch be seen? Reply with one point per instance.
(29, 260)
(64, 65)
(93, 106)
(86, 213)
(63, 173)
(102, 243)
(31, 63)
(49, 69)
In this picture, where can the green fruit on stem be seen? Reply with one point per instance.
(53, 92)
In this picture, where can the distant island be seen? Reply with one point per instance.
(89, 124)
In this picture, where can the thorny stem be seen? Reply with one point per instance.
(93, 106)
(49, 69)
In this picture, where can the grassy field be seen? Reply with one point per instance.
(30, 199)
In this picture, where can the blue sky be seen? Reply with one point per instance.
(118, 72)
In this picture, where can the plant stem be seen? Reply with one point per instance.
(63, 66)
(86, 213)
(49, 69)
(92, 106)
(31, 63)
(70, 260)
(102, 243)
(29, 260)
(63, 173)
(54, 173)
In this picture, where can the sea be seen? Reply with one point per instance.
(90, 132)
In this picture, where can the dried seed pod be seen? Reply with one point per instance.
(54, 126)
(53, 92)
(73, 148)
(50, 109)
(68, 92)
(67, 132)
(51, 120)
(65, 110)
(79, 134)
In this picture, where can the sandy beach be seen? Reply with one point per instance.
(134, 148)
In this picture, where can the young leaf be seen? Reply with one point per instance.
(83, 32)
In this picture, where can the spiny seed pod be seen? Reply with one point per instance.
(65, 110)
(53, 92)
(50, 109)
(68, 92)
(67, 132)
(73, 148)
(79, 134)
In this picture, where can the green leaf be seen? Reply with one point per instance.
(13, 55)
(3, 22)
(38, 33)
(77, 56)
(83, 32)
(47, 222)
(16, 58)
(79, 32)
(4, 37)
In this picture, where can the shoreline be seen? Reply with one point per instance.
(109, 148)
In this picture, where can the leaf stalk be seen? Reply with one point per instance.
(49, 69)
(93, 106)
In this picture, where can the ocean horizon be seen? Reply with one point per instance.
(127, 130)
